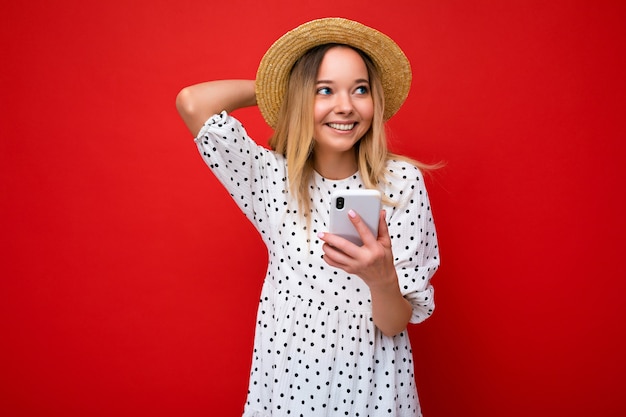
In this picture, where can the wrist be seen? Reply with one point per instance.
(385, 286)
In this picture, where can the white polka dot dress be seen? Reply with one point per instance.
(317, 351)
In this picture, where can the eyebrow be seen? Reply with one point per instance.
(358, 81)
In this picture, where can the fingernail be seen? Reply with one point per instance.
(320, 235)
(351, 213)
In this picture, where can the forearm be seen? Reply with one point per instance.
(198, 102)
(391, 312)
(373, 263)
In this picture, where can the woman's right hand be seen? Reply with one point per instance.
(198, 102)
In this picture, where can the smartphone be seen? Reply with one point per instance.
(365, 202)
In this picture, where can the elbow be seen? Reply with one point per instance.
(184, 102)
(189, 111)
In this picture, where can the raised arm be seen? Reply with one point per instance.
(198, 102)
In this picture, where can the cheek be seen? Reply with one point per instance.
(367, 112)
(367, 109)
(318, 112)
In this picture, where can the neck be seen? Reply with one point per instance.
(335, 166)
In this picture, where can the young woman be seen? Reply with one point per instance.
(331, 327)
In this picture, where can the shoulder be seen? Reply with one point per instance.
(404, 181)
(401, 169)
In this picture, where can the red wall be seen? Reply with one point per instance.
(130, 280)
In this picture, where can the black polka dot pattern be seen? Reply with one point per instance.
(317, 351)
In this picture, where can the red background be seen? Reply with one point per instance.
(130, 280)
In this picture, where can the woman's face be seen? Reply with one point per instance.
(343, 107)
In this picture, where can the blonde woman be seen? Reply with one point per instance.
(331, 328)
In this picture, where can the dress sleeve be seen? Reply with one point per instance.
(415, 247)
(244, 168)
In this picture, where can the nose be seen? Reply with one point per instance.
(343, 103)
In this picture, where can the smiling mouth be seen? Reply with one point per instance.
(342, 126)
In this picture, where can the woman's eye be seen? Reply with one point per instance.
(323, 91)
(362, 89)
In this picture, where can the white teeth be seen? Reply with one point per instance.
(341, 126)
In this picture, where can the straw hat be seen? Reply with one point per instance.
(275, 67)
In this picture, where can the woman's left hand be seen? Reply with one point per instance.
(373, 261)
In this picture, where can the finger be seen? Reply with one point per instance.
(383, 230)
(338, 259)
(335, 247)
(367, 237)
(339, 243)
(334, 257)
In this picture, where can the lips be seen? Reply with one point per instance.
(342, 126)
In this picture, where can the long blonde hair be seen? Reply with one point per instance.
(293, 136)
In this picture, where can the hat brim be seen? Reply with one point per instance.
(273, 72)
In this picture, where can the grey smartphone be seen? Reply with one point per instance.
(365, 202)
